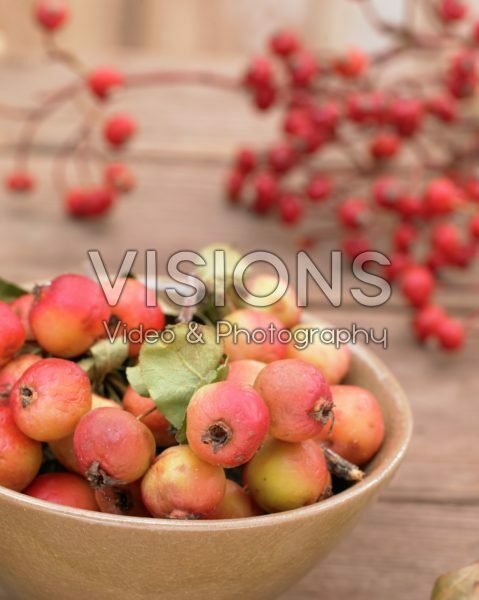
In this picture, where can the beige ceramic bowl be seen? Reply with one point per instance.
(48, 552)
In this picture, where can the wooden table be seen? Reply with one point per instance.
(427, 522)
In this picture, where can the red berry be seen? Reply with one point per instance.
(385, 145)
(296, 121)
(352, 64)
(65, 489)
(353, 213)
(266, 192)
(226, 423)
(158, 425)
(19, 181)
(452, 10)
(404, 237)
(471, 188)
(12, 371)
(51, 14)
(399, 261)
(446, 239)
(112, 447)
(265, 97)
(281, 157)
(475, 32)
(326, 117)
(427, 320)
(417, 284)
(409, 206)
(443, 107)
(245, 161)
(284, 43)
(406, 115)
(387, 192)
(463, 255)
(259, 73)
(319, 188)
(104, 80)
(290, 208)
(451, 334)
(304, 68)
(119, 129)
(234, 186)
(90, 202)
(119, 177)
(12, 333)
(474, 227)
(355, 245)
(366, 107)
(440, 197)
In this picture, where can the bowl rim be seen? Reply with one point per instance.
(369, 483)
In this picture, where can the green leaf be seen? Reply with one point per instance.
(462, 584)
(105, 356)
(9, 291)
(135, 379)
(173, 372)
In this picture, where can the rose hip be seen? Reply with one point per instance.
(331, 361)
(244, 372)
(358, 429)
(298, 398)
(138, 405)
(12, 371)
(69, 315)
(285, 476)
(112, 447)
(20, 456)
(50, 398)
(85, 203)
(65, 489)
(236, 504)
(104, 80)
(180, 485)
(119, 129)
(427, 321)
(12, 334)
(226, 423)
(22, 307)
(51, 14)
(122, 500)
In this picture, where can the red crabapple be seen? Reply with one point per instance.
(156, 422)
(179, 485)
(440, 197)
(353, 213)
(50, 398)
(119, 177)
(12, 371)
(22, 307)
(384, 145)
(285, 309)
(51, 14)
(122, 500)
(263, 328)
(85, 203)
(244, 372)
(119, 129)
(133, 311)
(236, 504)
(417, 284)
(358, 429)
(65, 489)
(103, 80)
(112, 447)
(452, 10)
(63, 449)
(352, 64)
(285, 476)
(451, 334)
(319, 188)
(19, 181)
(69, 315)
(427, 320)
(304, 68)
(226, 423)
(20, 457)
(12, 334)
(298, 398)
(284, 43)
(290, 209)
(331, 361)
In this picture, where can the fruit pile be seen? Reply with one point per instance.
(217, 429)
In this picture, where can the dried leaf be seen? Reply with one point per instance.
(105, 356)
(462, 584)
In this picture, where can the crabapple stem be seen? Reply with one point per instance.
(145, 414)
(341, 467)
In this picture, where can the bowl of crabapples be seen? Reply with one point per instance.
(145, 453)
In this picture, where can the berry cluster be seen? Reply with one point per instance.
(245, 448)
(390, 159)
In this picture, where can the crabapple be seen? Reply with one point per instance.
(112, 447)
(63, 449)
(22, 307)
(69, 315)
(331, 361)
(50, 398)
(352, 64)
(319, 188)
(65, 489)
(244, 372)
(353, 213)
(51, 14)
(236, 504)
(20, 456)
(119, 177)
(290, 209)
(450, 333)
(138, 309)
(12, 334)
(452, 10)
(122, 500)
(12, 371)
(226, 423)
(406, 114)
(440, 197)
(119, 129)
(303, 68)
(474, 227)
(285, 309)
(284, 43)
(417, 284)
(354, 245)
(446, 239)
(399, 261)
(298, 398)
(179, 485)
(405, 235)
(387, 192)
(265, 192)
(427, 320)
(281, 157)
(103, 80)
(358, 429)
(156, 422)
(443, 107)
(384, 145)
(284, 476)
(262, 343)
(89, 202)
(245, 161)
(19, 181)
(260, 73)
